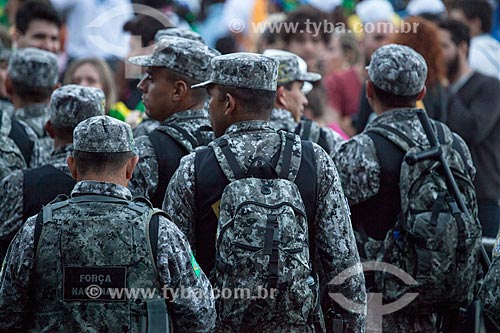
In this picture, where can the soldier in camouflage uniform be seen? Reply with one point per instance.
(290, 102)
(11, 158)
(242, 87)
(99, 242)
(32, 76)
(24, 192)
(396, 81)
(490, 290)
(149, 124)
(175, 64)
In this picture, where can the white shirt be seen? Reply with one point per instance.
(95, 27)
(484, 55)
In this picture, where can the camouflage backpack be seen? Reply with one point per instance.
(433, 240)
(262, 245)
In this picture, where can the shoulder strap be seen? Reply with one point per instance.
(381, 129)
(203, 140)
(305, 127)
(238, 171)
(20, 137)
(168, 155)
(185, 134)
(154, 224)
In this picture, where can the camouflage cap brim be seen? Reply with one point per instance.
(309, 77)
(144, 61)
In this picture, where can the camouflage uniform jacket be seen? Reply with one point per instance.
(35, 116)
(11, 158)
(11, 194)
(334, 236)
(6, 106)
(145, 178)
(282, 119)
(174, 264)
(359, 171)
(490, 290)
(145, 127)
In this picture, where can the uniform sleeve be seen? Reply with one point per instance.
(145, 177)
(336, 244)
(15, 284)
(179, 200)
(11, 208)
(489, 294)
(11, 158)
(358, 167)
(192, 304)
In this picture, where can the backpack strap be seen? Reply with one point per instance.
(186, 135)
(287, 155)
(203, 140)
(20, 137)
(237, 170)
(153, 227)
(304, 127)
(168, 152)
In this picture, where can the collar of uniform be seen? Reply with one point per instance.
(30, 111)
(188, 114)
(63, 150)
(248, 126)
(5, 124)
(396, 115)
(102, 188)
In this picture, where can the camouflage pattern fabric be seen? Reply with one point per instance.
(145, 178)
(34, 68)
(11, 158)
(187, 57)
(11, 195)
(334, 236)
(489, 294)
(282, 119)
(244, 70)
(7, 107)
(145, 127)
(398, 69)
(35, 116)
(22, 275)
(359, 171)
(71, 104)
(289, 70)
(103, 134)
(178, 32)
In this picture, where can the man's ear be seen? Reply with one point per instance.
(180, 90)
(50, 129)
(131, 166)
(72, 167)
(421, 95)
(281, 97)
(369, 90)
(230, 104)
(8, 86)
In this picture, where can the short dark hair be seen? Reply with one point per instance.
(36, 10)
(198, 95)
(145, 26)
(31, 94)
(252, 100)
(100, 163)
(392, 100)
(480, 9)
(301, 19)
(459, 31)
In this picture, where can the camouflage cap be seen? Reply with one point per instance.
(181, 55)
(103, 134)
(243, 70)
(178, 32)
(71, 104)
(398, 70)
(289, 70)
(34, 67)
